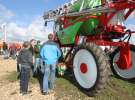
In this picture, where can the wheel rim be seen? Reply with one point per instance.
(128, 73)
(85, 69)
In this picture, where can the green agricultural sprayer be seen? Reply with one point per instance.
(83, 27)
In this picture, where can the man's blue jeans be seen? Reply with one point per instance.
(49, 77)
(24, 78)
(37, 64)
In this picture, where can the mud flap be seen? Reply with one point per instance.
(124, 61)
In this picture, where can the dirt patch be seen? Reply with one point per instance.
(65, 89)
(10, 90)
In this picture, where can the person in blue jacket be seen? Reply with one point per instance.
(50, 53)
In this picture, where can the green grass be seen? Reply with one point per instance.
(12, 77)
(66, 89)
(116, 89)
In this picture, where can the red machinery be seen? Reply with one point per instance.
(90, 62)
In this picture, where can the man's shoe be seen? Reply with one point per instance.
(42, 91)
(45, 93)
(24, 93)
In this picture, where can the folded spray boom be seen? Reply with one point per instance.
(68, 10)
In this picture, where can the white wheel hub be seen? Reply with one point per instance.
(85, 68)
(128, 73)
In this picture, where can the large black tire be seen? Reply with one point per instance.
(128, 74)
(100, 64)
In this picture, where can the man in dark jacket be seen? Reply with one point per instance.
(25, 60)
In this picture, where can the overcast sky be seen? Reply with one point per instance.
(24, 21)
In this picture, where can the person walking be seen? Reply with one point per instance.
(25, 60)
(37, 57)
(5, 50)
(13, 51)
(50, 53)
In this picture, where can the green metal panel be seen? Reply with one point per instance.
(92, 3)
(67, 35)
(87, 4)
(76, 6)
(88, 27)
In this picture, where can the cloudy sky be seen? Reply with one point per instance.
(23, 18)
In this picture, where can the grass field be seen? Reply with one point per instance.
(66, 89)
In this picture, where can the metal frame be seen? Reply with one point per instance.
(104, 38)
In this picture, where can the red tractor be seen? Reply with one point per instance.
(83, 27)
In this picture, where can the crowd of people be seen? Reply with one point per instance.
(9, 50)
(35, 56)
